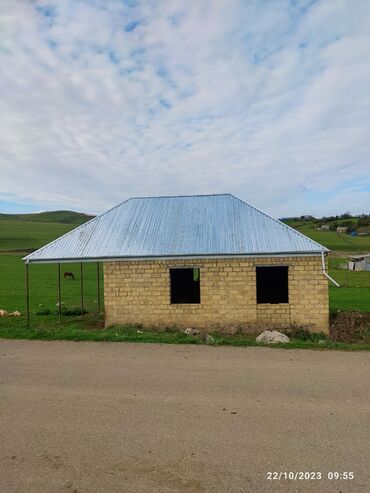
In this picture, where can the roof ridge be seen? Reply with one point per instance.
(178, 196)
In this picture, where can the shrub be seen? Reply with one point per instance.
(73, 312)
(303, 334)
(43, 311)
(348, 327)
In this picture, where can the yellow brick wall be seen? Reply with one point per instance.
(139, 292)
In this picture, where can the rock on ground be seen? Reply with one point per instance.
(272, 337)
(15, 314)
(191, 332)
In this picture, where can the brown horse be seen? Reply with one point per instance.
(69, 275)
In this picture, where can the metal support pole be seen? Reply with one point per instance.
(27, 296)
(82, 290)
(59, 297)
(98, 279)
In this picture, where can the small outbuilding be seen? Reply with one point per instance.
(324, 227)
(359, 262)
(342, 229)
(201, 261)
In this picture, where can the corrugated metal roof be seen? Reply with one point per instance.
(202, 225)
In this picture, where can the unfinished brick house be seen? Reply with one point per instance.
(200, 261)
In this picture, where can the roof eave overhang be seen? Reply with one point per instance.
(172, 257)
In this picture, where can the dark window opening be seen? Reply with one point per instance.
(185, 285)
(272, 284)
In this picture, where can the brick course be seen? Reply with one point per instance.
(139, 292)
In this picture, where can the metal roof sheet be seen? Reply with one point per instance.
(201, 225)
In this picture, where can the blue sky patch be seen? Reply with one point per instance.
(131, 26)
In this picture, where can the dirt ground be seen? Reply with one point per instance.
(115, 417)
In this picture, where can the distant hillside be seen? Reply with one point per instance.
(65, 217)
(27, 232)
(355, 239)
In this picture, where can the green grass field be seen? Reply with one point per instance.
(31, 231)
(354, 290)
(17, 235)
(43, 285)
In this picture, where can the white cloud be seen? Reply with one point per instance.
(101, 101)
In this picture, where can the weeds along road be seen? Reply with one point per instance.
(98, 417)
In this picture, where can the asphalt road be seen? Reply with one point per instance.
(115, 417)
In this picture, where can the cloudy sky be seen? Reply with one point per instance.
(101, 100)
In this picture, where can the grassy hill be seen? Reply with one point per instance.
(331, 239)
(25, 232)
(65, 217)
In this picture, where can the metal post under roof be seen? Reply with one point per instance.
(82, 289)
(27, 295)
(98, 282)
(59, 297)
